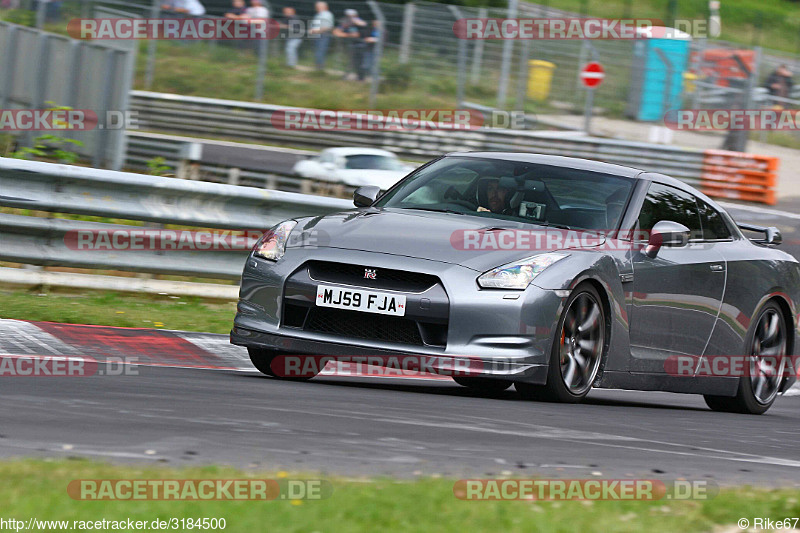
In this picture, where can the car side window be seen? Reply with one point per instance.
(714, 226)
(668, 203)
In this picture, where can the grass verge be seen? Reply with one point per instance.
(113, 309)
(38, 489)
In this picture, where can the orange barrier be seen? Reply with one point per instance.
(739, 176)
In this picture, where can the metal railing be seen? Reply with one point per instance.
(246, 121)
(141, 199)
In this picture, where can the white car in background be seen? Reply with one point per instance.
(355, 167)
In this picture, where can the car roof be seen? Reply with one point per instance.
(357, 150)
(556, 161)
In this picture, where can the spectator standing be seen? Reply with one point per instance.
(256, 10)
(237, 10)
(321, 25)
(354, 29)
(293, 27)
(369, 49)
(779, 82)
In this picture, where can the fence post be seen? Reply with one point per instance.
(522, 79)
(120, 139)
(75, 58)
(736, 140)
(461, 67)
(41, 13)
(408, 32)
(150, 69)
(100, 150)
(261, 70)
(477, 51)
(9, 66)
(378, 54)
(505, 66)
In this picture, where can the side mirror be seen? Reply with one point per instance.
(666, 233)
(774, 236)
(366, 196)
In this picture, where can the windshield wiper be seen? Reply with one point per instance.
(436, 210)
(553, 225)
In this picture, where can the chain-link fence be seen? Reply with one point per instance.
(418, 42)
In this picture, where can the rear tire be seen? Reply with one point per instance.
(486, 385)
(758, 389)
(578, 350)
(262, 359)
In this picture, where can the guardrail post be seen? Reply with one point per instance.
(408, 32)
(234, 174)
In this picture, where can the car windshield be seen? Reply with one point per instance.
(515, 190)
(373, 162)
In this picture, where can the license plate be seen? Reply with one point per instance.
(359, 300)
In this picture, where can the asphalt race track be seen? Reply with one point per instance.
(226, 413)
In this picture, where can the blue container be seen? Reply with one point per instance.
(659, 62)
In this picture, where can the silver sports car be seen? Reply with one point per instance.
(553, 274)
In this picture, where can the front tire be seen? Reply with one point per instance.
(766, 345)
(578, 350)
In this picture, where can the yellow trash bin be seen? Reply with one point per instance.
(540, 74)
(689, 79)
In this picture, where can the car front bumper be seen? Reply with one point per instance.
(503, 334)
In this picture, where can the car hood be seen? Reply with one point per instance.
(470, 241)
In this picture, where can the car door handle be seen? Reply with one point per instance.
(717, 268)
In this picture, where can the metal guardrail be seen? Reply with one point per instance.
(135, 197)
(247, 121)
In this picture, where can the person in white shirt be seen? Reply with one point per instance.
(321, 28)
(256, 10)
(192, 8)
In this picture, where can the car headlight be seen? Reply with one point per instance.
(519, 274)
(273, 244)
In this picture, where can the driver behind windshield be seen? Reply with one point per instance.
(495, 199)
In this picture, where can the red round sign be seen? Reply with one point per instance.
(592, 74)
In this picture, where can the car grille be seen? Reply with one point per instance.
(386, 278)
(367, 326)
(354, 324)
